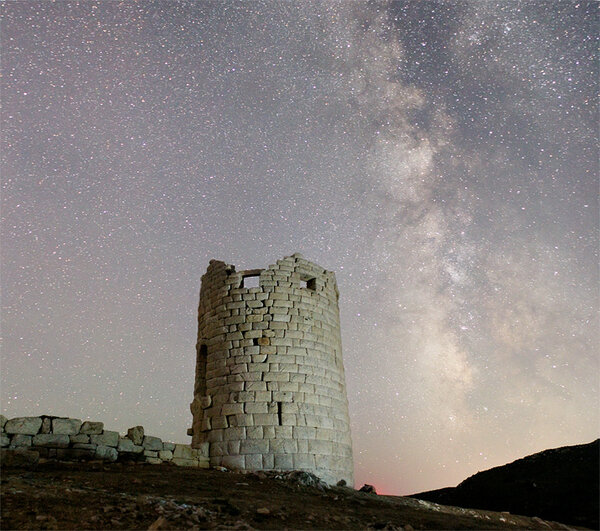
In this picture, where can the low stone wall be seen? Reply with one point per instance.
(70, 439)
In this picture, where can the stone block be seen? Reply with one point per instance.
(107, 453)
(51, 440)
(85, 446)
(46, 425)
(235, 462)
(65, 426)
(106, 438)
(165, 455)
(284, 462)
(4, 440)
(126, 445)
(168, 446)
(152, 443)
(79, 438)
(153, 460)
(20, 440)
(23, 425)
(254, 446)
(136, 434)
(182, 451)
(92, 428)
(182, 461)
(3, 421)
(283, 446)
(150, 453)
(254, 462)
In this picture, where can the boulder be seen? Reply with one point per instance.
(165, 455)
(51, 440)
(152, 443)
(4, 440)
(136, 434)
(65, 426)
(368, 488)
(107, 453)
(19, 440)
(92, 428)
(106, 438)
(3, 421)
(23, 425)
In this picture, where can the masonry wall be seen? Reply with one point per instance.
(270, 389)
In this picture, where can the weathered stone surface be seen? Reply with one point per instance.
(106, 438)
(153, 460)
(20, 440)
(136, 434)
(126, 445)
(4, 440)
(3, 421)
(182, 461)
(66, 426)
(150, 453)
(19, 457)
(152, 443)
(182, 451)
(168, 446)
(85, 446)
(165, 455)
(46, 425)
(81, 438)
(92, 428)
(107, 453)
(51, 440)
(23, 425)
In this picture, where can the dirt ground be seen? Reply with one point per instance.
(128, 496)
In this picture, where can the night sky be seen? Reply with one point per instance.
(440, 157)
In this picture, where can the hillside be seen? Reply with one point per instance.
(95, 495)
(559, 484)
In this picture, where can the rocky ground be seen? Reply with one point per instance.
(96, 495)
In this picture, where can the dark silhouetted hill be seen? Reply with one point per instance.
(559, 484)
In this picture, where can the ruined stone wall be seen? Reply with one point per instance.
(270, 389)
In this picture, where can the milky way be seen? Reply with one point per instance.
(441, 158)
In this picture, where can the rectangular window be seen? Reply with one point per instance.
(251, 281)
(309, 283)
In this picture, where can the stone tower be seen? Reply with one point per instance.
(270, 392)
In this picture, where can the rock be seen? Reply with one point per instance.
(46, 424)
(80, 438)
(4, 440)
(165, 455)
(341, 483)
(20, 440)
(153, 460)
(3, 421)
(168, 446)
(136, 434)
(107, 453)
(152, 443)
(182, 451)
(106, 438)
(18, 457)
(160, 523)
(23, 425)
(368, 488)
(85, 446)
(51, 440)
(263, 510)
(66, 426)
(126, 445)
(92, 428)
(150, 453)
(183, 461)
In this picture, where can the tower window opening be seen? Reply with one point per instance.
(251, 281)
(279, 413)
(310, 283)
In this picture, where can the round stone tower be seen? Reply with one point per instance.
(270, 392)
